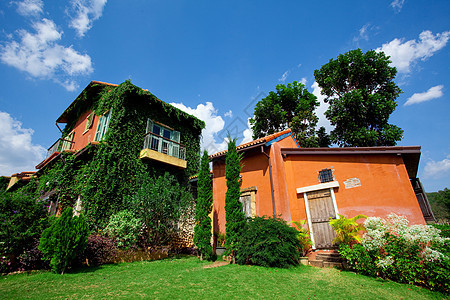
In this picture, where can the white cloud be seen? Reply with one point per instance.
(397, 5)
(248, 133)
(214, 124)
(284, 76)
(229, 114)
(405, 54)
(41, 56)
(86, 12)
(432, 93)
(437, 168)
(17, 153)
(323, 121)
(304, 80)
(30, 7)
(363, 34)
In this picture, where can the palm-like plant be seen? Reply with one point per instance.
(302, 235)
(347, 230)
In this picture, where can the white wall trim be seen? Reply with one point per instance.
(308, 215)
(316, 187)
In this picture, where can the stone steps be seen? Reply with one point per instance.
(325, 259)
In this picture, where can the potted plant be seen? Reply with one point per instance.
(220, 239)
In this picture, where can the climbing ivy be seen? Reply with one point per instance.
(107, 174)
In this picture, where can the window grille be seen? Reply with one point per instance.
(326, 175)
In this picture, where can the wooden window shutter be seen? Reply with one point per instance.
(423, 200)
(89, 121)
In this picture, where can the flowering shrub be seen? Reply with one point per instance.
(408, 254)
(5, 264)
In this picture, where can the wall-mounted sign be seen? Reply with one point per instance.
(352, 182)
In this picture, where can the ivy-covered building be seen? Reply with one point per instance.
(113, 135)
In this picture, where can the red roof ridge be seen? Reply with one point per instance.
(264, 139)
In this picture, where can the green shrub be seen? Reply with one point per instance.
(63, 240)
(22, 220)
(159, 202)
(124, 227)
(268, 242)
(408, 254)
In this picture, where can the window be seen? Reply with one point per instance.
(67, 141)
(248, 200)
(103, 124)
(163, 139)
(89, 121)
(326, 175)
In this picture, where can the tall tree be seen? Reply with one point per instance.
(235, 218)
(202, 230)
(361, 92)
(289, 106)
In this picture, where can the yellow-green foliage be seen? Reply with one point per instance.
(347, 230)
(302, 235)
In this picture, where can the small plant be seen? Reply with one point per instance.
(268, 242)
(221, 239)
(303, 235)
(347, 230)
(63, 240)
(124, 227)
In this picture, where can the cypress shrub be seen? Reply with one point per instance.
(63, 240)
(202, 231)
(235, 218)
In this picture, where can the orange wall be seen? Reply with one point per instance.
(81, 138)
(255, 172)
(385, 185)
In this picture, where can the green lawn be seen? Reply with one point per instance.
(186, 278)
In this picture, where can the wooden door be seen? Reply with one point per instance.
(321, 209)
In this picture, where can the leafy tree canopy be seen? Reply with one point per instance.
(361, 93)
(289, 106)
(440, 204)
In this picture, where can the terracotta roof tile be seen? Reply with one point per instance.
(252, 143)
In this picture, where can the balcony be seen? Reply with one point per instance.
(59, 146)
(164, 150)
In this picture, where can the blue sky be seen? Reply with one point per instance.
(216, 59)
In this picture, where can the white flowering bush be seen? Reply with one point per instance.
(392, 249)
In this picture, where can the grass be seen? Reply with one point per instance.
(188, 279)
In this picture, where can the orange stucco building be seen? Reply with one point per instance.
(281, 179)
